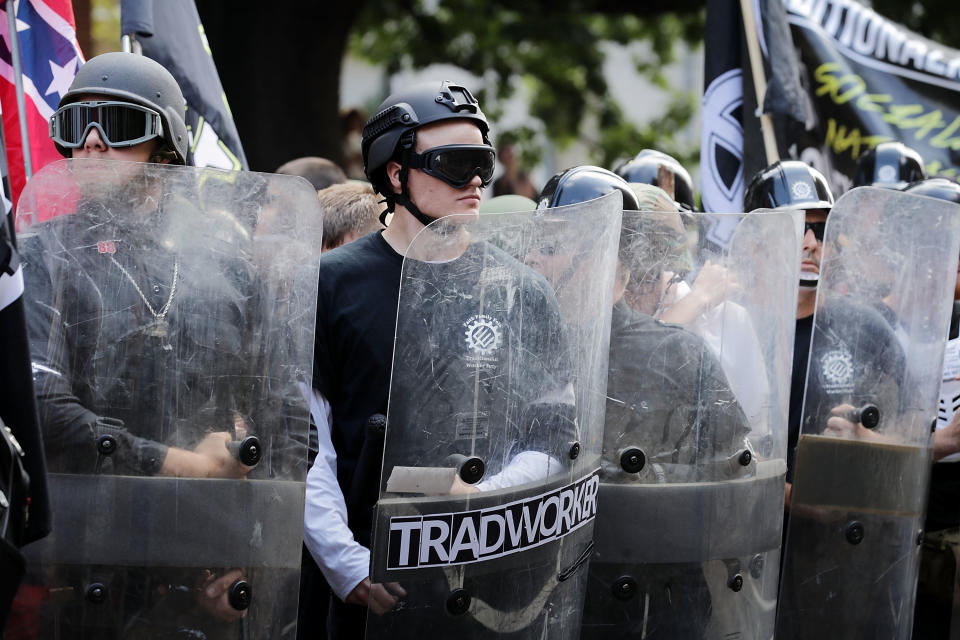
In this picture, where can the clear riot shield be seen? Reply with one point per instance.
(489, 481)
(171, 317)
(863, 457)
(691, 496)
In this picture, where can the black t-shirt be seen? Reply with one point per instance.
(481, 362)
(482, 365)
(356, 320)
(667, 394)
(856, 359)
(798, 380)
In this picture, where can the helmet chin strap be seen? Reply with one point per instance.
(407, 143)
(404, 200)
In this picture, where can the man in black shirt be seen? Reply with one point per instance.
(427, 151)
(795, 185)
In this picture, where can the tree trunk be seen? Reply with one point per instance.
(280, 69)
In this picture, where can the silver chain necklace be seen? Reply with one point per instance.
(159, 327)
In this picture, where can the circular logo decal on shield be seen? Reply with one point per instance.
(801, 190)
(887, 173)
(483, 333)
(836, 369)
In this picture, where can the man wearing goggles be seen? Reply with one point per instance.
(122, 116)
(120, 106)
(426, 151)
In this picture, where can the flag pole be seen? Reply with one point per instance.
(759, 80)
(18, 84)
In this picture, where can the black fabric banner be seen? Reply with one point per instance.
(18, 407)
(869, 80)
(732, 145)
(171, 33)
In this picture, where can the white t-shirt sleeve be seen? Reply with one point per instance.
(343, 561)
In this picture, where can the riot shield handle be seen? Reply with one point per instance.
(107, 431)
(868, 415)
(240, 594)
(632, 459)
(469, 468)
(248, 451)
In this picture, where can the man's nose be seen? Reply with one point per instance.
(93, 141)
(810, 241)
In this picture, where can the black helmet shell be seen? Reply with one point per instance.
(940, 188)
(585, 183)
(891, 165)
(410, 109)
(138, 79)
(645, 169)
(789, 184)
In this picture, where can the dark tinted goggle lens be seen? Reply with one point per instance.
(120, 124)
(816, 227)
(457, 164)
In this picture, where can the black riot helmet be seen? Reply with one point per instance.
(129, 77)
(584, 183)
(789, 184)
(657, 168)
(650, 242)
(891, 165)
(940, 188)
(390, 134)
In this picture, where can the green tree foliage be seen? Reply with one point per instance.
(938, 20)
(555, 50)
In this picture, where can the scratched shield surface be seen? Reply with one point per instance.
(171, 313)
(488, 491)
(863, 459)
(691, 496)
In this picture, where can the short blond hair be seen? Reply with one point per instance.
(350, 208)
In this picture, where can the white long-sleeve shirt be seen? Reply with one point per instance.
(343, 561)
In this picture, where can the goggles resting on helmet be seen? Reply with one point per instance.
(121, 124)
(456, 164)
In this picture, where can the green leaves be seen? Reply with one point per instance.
(553, 52)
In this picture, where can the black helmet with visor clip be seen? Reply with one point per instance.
(391, 135)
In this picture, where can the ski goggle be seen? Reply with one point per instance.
(816, 227)
(456, 164)
(121, 124)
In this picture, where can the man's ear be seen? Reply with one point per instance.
(393, 175)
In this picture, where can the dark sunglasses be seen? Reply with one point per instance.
(816, 227)
(456, 164)
(121, 124)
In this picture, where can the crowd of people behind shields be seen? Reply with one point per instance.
(427, 153)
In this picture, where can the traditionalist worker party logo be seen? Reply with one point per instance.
(836, 370)
(887, 173)
(483, 334)
(801, 190)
